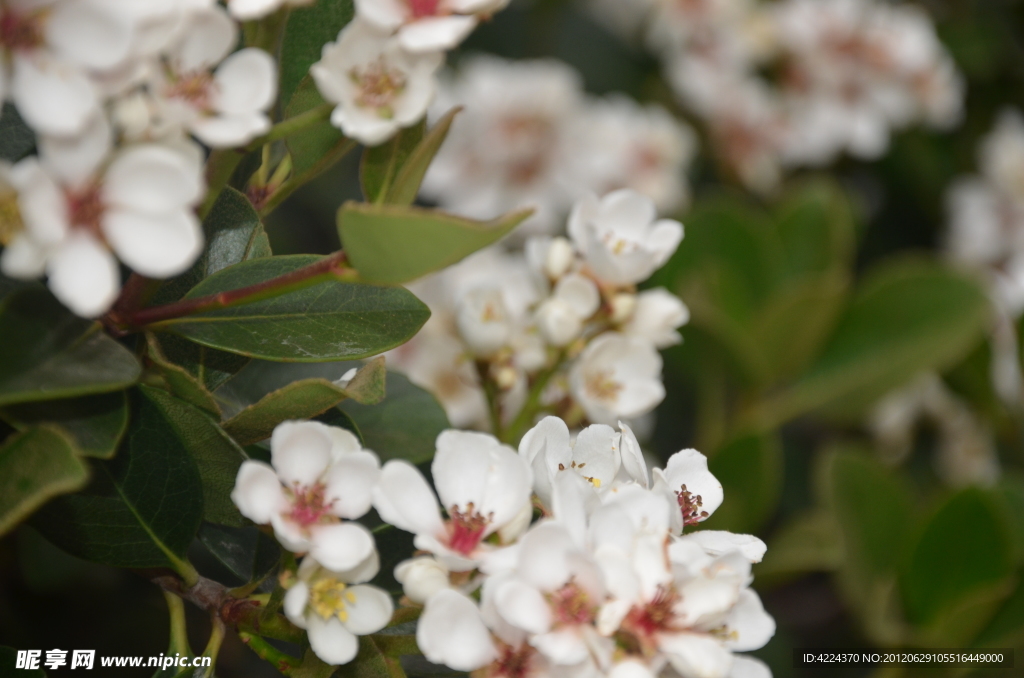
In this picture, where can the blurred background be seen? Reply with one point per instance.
(851, 178)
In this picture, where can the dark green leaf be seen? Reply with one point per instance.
(233, 232)
(1007, 625)
(964, 548)
(208, 366)
(246, 551)
(308, 29)
(179, 381)
(95, 424)
(16, 138)
(1010, 491)
(304, 399)
(381, 164)
(317, 147)
(394, 546)
(394, 244)
(49, 353)
(36, 465)
(328, 321)
(816, 224)
(142, 508)
(216, 455)
(404, 425)
(750, 470)
(809, 543)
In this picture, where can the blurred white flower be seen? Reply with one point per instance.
(616, 377)
(319, 479)
(620, 237)
(656, 316)
(378, 86)
(336, 607)
(421, 578)
(451, 632)
(561, 316)
(78, 202)
(483, 320)
(427, 25)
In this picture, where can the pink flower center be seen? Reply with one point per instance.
(196, 89)
(512, 662)
(85, 209)
(690, 505)
(21, 32)
(379, 85)
(309, 505)
(466, 528)
(423, 8)
(572, 606)
(638, 630)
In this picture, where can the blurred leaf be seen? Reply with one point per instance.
(1007, 625)
(95, 424)
(313, 667)
(216, 455)
(245, 551)
(406, 185)
(317, 147)
(370, 662)
(304, 399)
(965, 549)
(393, 244)
(328, 321)
(339, 418)
(750, 470)
(381, 164)
(142, 508)
(233, 233)
(179, 381)
(208, 366)
(308, 29)
(16, 138)
(1010, 491)
(816, 226)
(49, 353)
(810, 542)
(9, 659)
(35, 466)
(10, 286)
(404, 425)
(908, 316)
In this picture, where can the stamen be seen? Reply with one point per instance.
(690, 506)
(309, 505)
(86, 208)
(600, 385)
(11, 223)
(328, 598)
(21, 32)
(379, 86)
(466, 528)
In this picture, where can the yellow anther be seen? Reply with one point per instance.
(327, 598)
(10, 218)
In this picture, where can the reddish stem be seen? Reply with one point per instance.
(328, 268)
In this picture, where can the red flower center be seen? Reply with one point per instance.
(637, 631)
(85, 209)
(20, 32)
(466, 528)
(572, 606)
(423, 8)
(309, 505)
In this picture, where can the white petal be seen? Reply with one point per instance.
(349, 483)
(749, 667)
(341, 546)
(300, 451)
(330, 640)
(632, 456)
(52, 96)
(689, 467)
(573, 499)
(462, 466)
(22, 258)
(345, 442)
(435, 33)
(87, 35)
(366, 570)
(564, 646)
(549, 433)
(225, 131)
(387, 15)
(628, 207)
(75, 159)
(152, 178)
(580, 293)
(290, 535)
(295, 603)
(208, 37)
(596, 455)
(421, 578)
(246, 82)
(369, 609)
(83, 274)
(543, 557)
(41, 202)
(368, 130)
(155, 245)
(523, 606)
(403, 499)
(664, 239)
(718, 542)
(257, 492)
(697, 655)
(246, 10)
(753, 627)
(451, 632)
(630, 669)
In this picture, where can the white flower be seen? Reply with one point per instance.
(421, 578)
(483, 320)
(377, 85)
(427, 25)
(451, 632)
(998, 156)
(483, 485)
(548, 450)
(616, 377)
(689, 485)
(222, 101)
(620, 237)
(657, 315)
(247, 10)
(549, 258)
(561, 316)
(336, 607)
(76, 201)
(320, 475)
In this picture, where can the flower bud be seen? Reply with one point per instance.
(657, 315)
(505, 377)
(558, 322)
(623, 304)
(483, 321)
(513, 529)
(421, 578)
(559, 258)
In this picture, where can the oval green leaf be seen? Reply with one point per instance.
(95, 424)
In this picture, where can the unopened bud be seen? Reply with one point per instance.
(505, 377)
(559, 258)
(622, 304)
(421, 578)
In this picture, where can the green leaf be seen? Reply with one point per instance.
(816, 225)
(95, 424)
(808, 543)
(36, 465)
(750, 470)
(965, 548)
(179, 381)
(328, 321)
(9, 659)
(381, 164)
(246, 551)
(16, 138)
(142, 508)
(1007, 625)
(216, 455)
(233, 233)
(317, 147)
(1010, 492)
(308, 29)
(208, 366)
(908, 316)
(406, 184)
(394, 244)
(404, 425)
(304, 399)
(49, 353)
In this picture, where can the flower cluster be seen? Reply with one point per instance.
(797, 82)
(114, 97)
(559, 326)
(381, 71)
(604, 583)
(529, 136)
